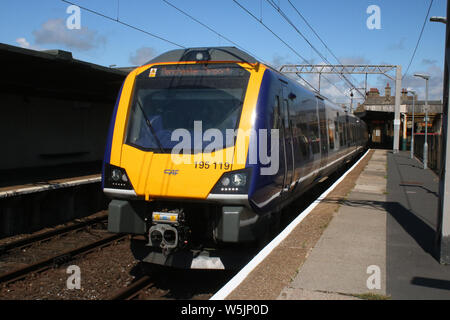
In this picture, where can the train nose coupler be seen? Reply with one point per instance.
(167, 231)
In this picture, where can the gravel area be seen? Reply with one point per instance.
(186, 284)
(19, 258)
(102, 273)
(112, 268)
(8, 240)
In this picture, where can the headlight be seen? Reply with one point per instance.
(225, 181)
(239, 179)
(115, 177)
(233, 182)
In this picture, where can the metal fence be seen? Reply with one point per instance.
(434, 150)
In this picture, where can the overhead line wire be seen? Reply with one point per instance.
(285, 17)
(209, 28)
(125, 24)
(317, 35)
(279, 38)
(418, 40)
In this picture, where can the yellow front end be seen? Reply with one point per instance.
(155, 175)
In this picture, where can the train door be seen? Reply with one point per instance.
(288, 140)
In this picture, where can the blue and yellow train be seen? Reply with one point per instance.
(207, 145)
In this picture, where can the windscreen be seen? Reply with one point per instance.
(171, 97)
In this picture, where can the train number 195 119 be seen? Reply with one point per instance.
(214, 165)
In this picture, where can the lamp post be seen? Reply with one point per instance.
(351, 101)
(425, 144)
(412, 125)
(443, 221)
(439, 19)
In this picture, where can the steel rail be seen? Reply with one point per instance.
(59, 259)
(133, 289)
(26, 242)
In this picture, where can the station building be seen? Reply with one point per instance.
(378, 112)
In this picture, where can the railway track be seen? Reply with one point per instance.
(61, 237)
(59, 259)
(133, 290)
(52, 234)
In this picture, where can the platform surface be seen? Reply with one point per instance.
(17, 190)
(413, 270)
(389, 221)
(378, 244)
(353, 244)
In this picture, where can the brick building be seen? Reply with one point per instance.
(378, 112)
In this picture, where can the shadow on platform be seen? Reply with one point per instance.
(431, 283)
(420, 231)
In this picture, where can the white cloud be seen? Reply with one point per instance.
(23, 43)
(435, 89)
(55, 31)
(429, 61)
(354, 60)
(399, 45)
(279, 60)
(334, 94)
(142, 55)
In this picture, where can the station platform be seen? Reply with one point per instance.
(28, 207)
(22, 189)
(371, 237)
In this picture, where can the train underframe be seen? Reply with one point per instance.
(196, 235)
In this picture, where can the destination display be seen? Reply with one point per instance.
(196, 70)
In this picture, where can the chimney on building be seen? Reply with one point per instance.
(404, 94)
(374, 92)
(387, 90)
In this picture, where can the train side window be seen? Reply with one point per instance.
(352, 135)
(336, 130)
(331, 133)
(314, 132)
(347, 131)
(285, 114)
(302, 138)
(352, 131)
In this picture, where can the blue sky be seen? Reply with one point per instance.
(341, 24)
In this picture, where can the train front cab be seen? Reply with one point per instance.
(178, 210)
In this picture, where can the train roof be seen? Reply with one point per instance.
(205, 54)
